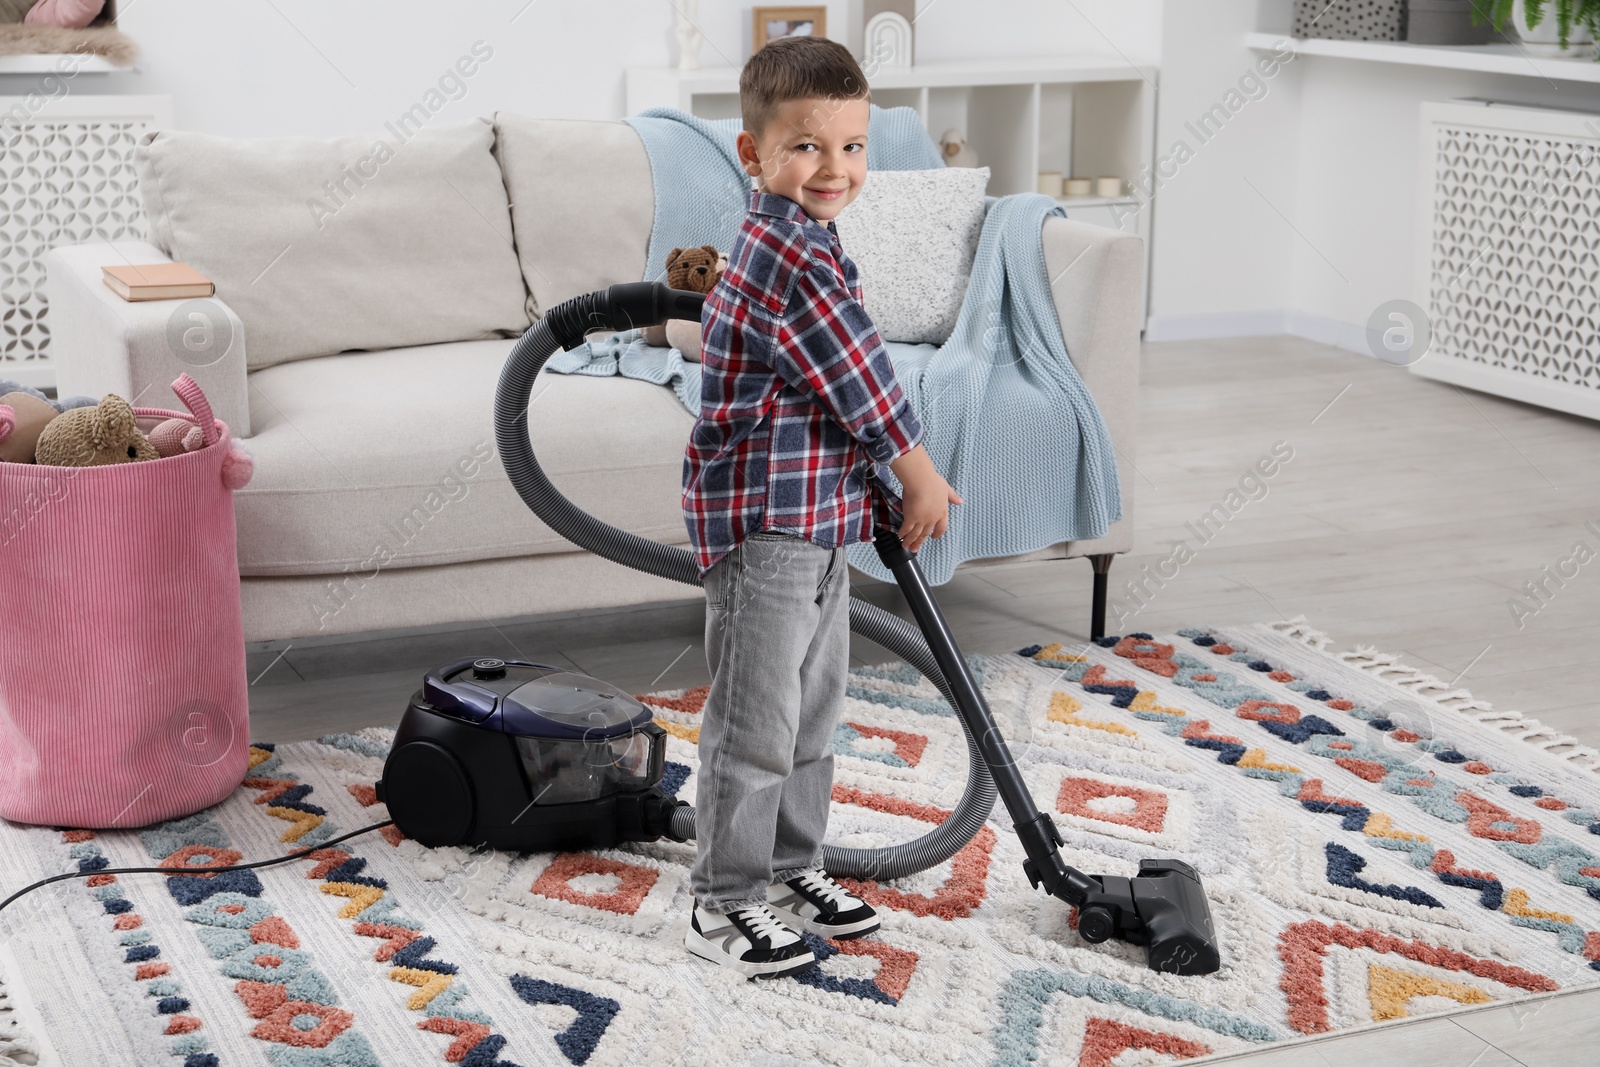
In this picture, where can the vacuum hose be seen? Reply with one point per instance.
(638, 304)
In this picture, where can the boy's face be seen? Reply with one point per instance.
(814, 152)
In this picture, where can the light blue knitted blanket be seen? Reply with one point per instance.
(700, 185)
(627, 354)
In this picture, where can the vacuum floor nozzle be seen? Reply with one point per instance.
(1163, 908)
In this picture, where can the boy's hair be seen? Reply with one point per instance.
(797, 68)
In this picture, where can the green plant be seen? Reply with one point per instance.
(1569, 13)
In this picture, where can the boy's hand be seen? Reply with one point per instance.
(925, 500)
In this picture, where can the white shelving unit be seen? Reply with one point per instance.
(1086, 116)
(1488, 58)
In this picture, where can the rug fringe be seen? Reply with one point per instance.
(1300, 630)
(1387, 666)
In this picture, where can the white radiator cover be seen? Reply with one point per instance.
(1510, 256)
(66, 177)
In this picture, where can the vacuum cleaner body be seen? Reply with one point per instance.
(525, 757)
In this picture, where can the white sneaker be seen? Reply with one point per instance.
(753, 941)
(815, 903)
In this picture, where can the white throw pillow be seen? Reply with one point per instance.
(913, 235)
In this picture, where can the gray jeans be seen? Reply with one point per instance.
(778, 645)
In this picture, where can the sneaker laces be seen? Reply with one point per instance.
(836, 894)
(763, 922)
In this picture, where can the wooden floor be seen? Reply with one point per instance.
(1409, 518)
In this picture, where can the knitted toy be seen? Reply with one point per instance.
(73, 14)
(177, 436)
(95, 437)
(697, 270)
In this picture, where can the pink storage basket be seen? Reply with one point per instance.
(123, 696)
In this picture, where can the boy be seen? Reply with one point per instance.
(799, 404)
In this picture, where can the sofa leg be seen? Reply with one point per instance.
(1102, 571)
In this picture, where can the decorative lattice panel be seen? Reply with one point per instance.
(66, 180)
(1513, 221)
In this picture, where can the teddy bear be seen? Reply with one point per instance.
(30, 411)
(696, 270)
(95, 437)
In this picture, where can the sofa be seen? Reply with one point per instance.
(364, 308)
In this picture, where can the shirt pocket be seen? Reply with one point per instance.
(772, 298)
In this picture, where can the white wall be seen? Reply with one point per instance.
(321, 68)
(1220, 249)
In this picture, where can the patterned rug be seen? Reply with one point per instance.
(1375, 846)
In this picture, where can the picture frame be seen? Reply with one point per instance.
(770, 23)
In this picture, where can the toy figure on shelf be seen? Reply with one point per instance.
(956, 152)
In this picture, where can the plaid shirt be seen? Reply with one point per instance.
(798, 400)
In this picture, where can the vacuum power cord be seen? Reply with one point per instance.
(297, 854)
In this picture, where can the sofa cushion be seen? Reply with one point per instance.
(582, 204)
(360, 242)
(370, 461)
(913, 235)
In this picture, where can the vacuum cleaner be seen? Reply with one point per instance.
(529, 757)
(592, 755)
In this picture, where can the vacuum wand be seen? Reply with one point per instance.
(1162, 908)
(1036, 829)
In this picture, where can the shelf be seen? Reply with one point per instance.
(1021, 71)
(1096, 201)
(50, 64)
(1488, 58)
